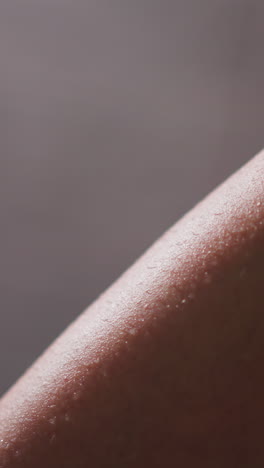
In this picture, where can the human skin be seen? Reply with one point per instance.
(166, 368)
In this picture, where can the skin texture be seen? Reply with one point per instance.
(166, 367)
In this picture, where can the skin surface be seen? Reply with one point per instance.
(166, 367)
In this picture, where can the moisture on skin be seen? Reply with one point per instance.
(166, 367)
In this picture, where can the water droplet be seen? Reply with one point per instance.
(104, 373)
(66, 417)
(132, 331)
(207, 278)
(52, 420)
(52, 439)
(183, 301)
(258, 204)
(4, 444)
(76, 396)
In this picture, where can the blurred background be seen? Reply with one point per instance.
(115, 118)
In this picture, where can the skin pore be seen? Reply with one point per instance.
(166, 367)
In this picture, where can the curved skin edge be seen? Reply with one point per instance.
(166, 366)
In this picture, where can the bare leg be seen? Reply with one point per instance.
(166, 367)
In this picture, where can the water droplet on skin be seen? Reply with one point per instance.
(258, 204)
(4, 444)
(52, 420)
(207, 278)
(132, 331)
(104, 373)
(76, 396)
(53, 439)
(183, 301)
(168, 306)
(66, 417)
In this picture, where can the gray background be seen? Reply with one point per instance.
(115, 118)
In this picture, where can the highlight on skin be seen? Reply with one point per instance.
(165, 368)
